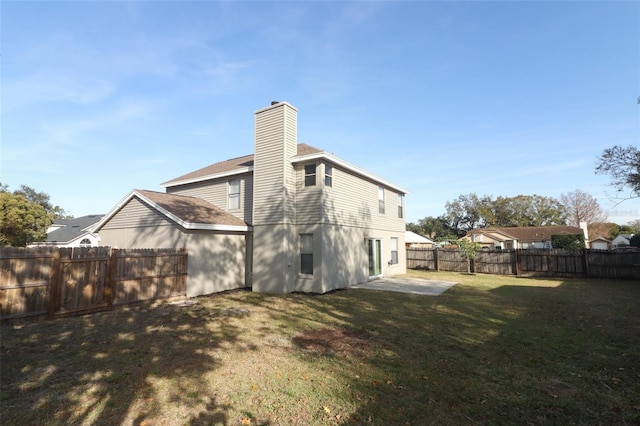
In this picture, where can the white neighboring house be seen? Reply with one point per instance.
(622, 240)
(413, 240)
(600, 243)
(77, 232)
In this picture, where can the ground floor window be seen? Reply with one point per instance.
(394, 251)
(306, 254)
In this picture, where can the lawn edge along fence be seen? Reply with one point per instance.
(532, 262)
(54, 282)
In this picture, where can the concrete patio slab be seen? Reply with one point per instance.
(408, 285)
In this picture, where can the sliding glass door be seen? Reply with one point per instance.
(375, 258)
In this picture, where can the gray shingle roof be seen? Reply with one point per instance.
(72, 228)
(191, 209)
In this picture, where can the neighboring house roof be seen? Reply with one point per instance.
(188, 212)
(244, 164)
(622, 240)
(413, 238)
(66, 230)
(529, 233)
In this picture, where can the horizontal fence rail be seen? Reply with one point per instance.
(60, 282)
(531, 262)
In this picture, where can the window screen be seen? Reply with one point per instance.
(306, 254)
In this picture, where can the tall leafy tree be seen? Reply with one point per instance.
(471, 211)
(582, 207)
(635, 226)
(43, 199)
(25, 215)
(21, 221)
(435, 228)
(465, 213)
(623, 167)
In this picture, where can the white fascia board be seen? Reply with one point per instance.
(208, 177)
(190, 225)
(114, 210)
(174, 218)
(212, 227)
(341, 163)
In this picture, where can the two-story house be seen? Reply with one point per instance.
(289, 217)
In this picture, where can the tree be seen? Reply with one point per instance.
(43, 199)
(582, 207)
(635, 226)
(21, 221)
(635, 240)
(25, 215)
(465, 213)
(468, 250)
(470, 212)
(623, 166)
(568, 241)
(435, 228)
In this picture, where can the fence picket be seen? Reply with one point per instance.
(71, 281)
(532, 262)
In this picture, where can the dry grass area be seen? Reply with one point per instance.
(491, 350)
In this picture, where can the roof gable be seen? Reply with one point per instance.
(188, 212)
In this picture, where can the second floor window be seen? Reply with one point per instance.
(310, 175)
(380, 200)
(328, 175)
(234, 194)
(400, 209)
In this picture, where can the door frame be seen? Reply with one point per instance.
(374, 254)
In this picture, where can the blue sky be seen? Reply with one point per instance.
(441, 98)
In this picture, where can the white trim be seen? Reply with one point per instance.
(341, 163)
(174, 218)
(279, 103)
(322, 155)
(233, 172)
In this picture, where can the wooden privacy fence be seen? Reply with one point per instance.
(531, 262)
(58, 282)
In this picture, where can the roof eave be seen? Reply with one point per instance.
(183, 223)
(234, 172)
(355, 169)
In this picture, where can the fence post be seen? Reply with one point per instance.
(517, 261)
(110, 287)
(110, 279)
(436, 259)
(585, 262)
(54, 285)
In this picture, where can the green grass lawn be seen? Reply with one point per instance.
(491, 350)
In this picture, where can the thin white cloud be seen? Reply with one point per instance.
(547, 168)
(68, 132)
(46, 86)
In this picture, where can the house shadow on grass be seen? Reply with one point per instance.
(112, 368)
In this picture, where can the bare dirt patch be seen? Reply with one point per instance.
(333, 341)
